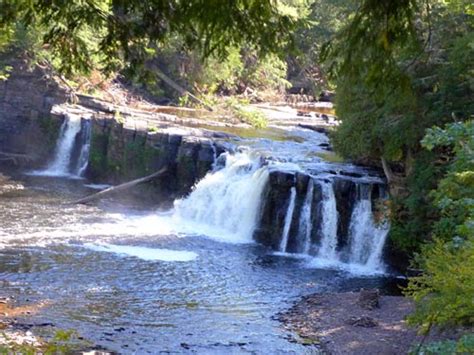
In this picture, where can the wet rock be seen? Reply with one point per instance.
(274, 207)
(282, 179)
(345, 194)
(363, 321)
(26, 99)
(185, 346)
(369, 299)
(351, 174)
(327, 96)
(302, 182)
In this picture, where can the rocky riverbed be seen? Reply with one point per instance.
(351, 323)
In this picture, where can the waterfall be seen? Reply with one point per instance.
(365, 236)
(83, 160)
(225, 204)
(305, 225)
(288, 219)
(64, 147)
(64, 163)
(329, 222)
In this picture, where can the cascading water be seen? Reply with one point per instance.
(288, 219)
(305, 225)
(83, 160)
(366, 237)
(225, 204)
(64, 164)
(329, 221)
(60, 166)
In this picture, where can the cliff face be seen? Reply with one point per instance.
(122, 151)
(26, 123)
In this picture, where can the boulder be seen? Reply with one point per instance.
(369, 299)
(363, 321)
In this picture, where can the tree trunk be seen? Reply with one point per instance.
(120, 187)
(387, 171)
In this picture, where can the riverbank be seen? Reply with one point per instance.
(11, 336)
(339, 324)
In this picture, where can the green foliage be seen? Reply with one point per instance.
(130, 31)
(454, 196)
(465, 345)
(443, 293)
(391, 85)
(252, 117)
(241, 110)
(415, 213)
(324, 19)
(397, 77)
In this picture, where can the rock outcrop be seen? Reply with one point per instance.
(26, 100)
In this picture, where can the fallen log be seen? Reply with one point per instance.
(120, 187)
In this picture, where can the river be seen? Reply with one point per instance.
(191, 279)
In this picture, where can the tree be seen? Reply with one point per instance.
(129, 30)
(402, 67)
(443, 293)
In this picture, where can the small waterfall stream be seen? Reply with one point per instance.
(305, 223)
(83, 160)
(60, 166)
(64, 163)
(362, 253)
(329, 221)
(288, 219)
(366, 237)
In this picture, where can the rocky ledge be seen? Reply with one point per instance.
(354, 323)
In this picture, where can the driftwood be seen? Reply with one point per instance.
(120, 187)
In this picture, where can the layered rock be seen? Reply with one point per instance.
(121, 152)
(277, 199)
(26, 100)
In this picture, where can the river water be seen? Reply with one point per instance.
(126, 280)
(189, 280)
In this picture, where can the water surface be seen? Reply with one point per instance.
(126, 280)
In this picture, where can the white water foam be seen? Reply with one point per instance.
(149, 254)
(288, 219)
(305, 224)
(329, 222)
(367, 238)
(83, 160)
(62, 157)
(225, 204)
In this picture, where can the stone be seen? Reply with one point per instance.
(363, 321)
(369, 299)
